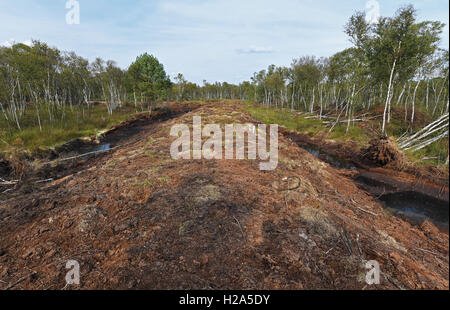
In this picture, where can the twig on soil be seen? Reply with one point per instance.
(429, 252)
(285, 200)
(393, 281)
(367, 211)
(347, 242)
(359, 246)
(384, 192)
(44, 181)
(18, 281)
(86, 154)
(240, 227)
(6, 182)
(328, 252)
(293, 188)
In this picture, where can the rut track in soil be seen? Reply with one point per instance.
(80, 154)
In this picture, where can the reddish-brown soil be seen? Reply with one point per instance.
(134, 218)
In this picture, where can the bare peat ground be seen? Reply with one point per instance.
(137, 219)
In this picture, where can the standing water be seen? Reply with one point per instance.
(97, 150)
(418, 208)
(104, 147)
(332, 160)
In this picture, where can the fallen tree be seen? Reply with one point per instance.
(431, 133)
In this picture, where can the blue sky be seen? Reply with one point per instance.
(216, 40)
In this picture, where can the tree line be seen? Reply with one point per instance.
(394, 63)
(52, 82)
(49, 83)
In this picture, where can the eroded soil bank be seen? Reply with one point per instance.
(135, 218)
(416, 194)
(53, 164)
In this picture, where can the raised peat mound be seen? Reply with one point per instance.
(137, 219)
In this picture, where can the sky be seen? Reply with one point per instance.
(213, 40)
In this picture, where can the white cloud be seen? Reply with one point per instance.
(255, 50)
(11, 42)
(28, 42)
(221, 39)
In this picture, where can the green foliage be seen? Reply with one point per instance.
(434, 154)
(147, 76)
(342, 66)
(400, 39)
(305, 124)
(74, 126)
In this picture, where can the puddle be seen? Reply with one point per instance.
(418, 208)
(332, 160)
(104, 147)
(116, 137)
(94, 151)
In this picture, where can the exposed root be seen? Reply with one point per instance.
(384, 152)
